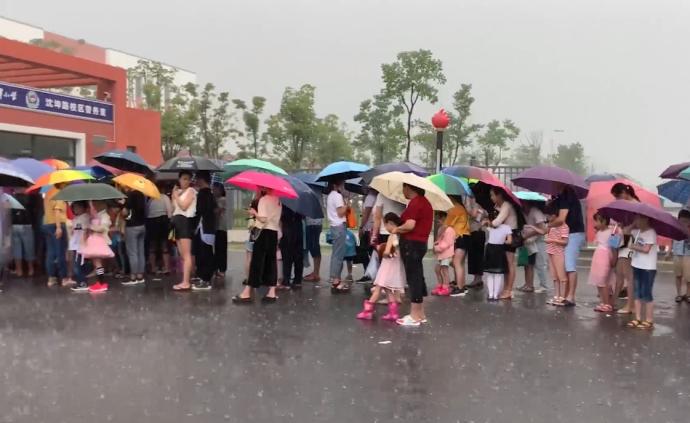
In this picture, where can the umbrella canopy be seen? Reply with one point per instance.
(404, 167)
(32, 167)
(390, 185)
(190, 164)
(676, 191)
(673, 171)
(606, 177)
(57, 164)
(600, 195)
(86, 192)
(485, 180)
(98, 172)
(125, 160)
(685, 174)
(451, 185)
(310, 179)
(341, 170)
(470, 172)
(138, 183)
(12, 176)
(11, 202)
(356, 186)
(241, 165)
(60, 177)
(664, 223)
(550, 180)
(253, 180)
(530, 196)
(307, 202)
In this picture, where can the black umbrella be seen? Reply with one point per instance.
(84, 192)
(190, 164)
(124, 160)
(307, 202)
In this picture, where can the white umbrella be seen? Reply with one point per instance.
(11, 202)
(391, 186)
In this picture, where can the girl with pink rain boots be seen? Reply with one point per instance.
(390, 276)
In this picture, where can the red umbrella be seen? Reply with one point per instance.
(600, 195)
(253, 180)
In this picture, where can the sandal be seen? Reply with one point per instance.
(179, 288)
(240, 300)
(633, 323)
(624, 311)
(603, 308)
(645, 325)
(524, 288)
(340, 288)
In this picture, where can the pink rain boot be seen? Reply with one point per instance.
(368, 312)
(392, 314)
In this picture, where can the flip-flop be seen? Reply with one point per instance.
(645, 325)
(633, 323)
(176, 289)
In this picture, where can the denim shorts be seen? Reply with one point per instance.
(644, 282)
(572, 251)
(23, 243)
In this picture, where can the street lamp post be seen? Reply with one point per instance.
(440, 121)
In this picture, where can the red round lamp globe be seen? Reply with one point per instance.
(440, 120)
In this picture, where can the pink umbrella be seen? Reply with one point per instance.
(254, 181)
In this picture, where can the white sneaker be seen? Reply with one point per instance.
(408, 321)
(140, 281)
(130, 282)
(539, 291)
(80, 288)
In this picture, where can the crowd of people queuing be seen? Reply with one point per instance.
(82, 243)
(185, 232)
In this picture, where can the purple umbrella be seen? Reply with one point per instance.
(550, 180)
(672, 171)
(664, 223)
(32, 167)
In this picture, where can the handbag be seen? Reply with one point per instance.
(350, 218)
(522, 257)
(615, 240)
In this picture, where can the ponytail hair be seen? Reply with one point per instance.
(620, 188)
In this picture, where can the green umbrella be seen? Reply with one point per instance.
(241, 165)
(84, 192)
(451, 185)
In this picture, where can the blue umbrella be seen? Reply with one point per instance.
(32, 167)
(529, 196)
(97, 172)
(341, 170)
(307, 202)
(124, 160)
(676, 191)
(310, 179)
(12, 176)
(404, 167)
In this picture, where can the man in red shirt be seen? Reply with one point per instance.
(418, 219)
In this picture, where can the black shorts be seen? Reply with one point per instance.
(157, 231)
(532, 259)
(183, 227)
(462, 242)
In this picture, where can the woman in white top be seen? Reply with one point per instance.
(336, 211)
(263, 268)
(184, 210)
(507, 215)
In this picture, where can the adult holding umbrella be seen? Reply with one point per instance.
(314, 226)
(263, 268)
(184, 199)
(205, 233)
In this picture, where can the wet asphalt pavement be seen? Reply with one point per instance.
(152, 355)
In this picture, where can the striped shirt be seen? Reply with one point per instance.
(556, 234)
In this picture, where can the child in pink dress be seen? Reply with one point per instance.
(444, 249)
(601, 274)
(390, 276)
(556, 240)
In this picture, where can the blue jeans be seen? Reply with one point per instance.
(134, 238)
(541, 266)
(572, 251)
(23, 243)
(56, 250)
(644, 283)
(80, 269)
(338, 253)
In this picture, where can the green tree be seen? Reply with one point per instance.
(529, 152)
(331, 143)
(571, 157)
(291, 130)
(252, 120)
(382, 134)
(215, 120)
(425, 137)
(460, 133)
(496, 140)
(414, 76)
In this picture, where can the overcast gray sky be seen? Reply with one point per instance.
(613, 74)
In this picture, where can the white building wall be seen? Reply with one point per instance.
(18, 31)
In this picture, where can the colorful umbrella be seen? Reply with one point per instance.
(125, 160)
(86, 192)
(138, 183)
(404, 167)
(341, 170)
(190, 164)
(673, 171)
(390, 185)
(451, 185)
(253, 180)
(32, 167)
(60, 177)
(676, 191)
(241, 165)
(550, 180)
(664, 223)
(12, 176)
(307, 202)
(56, 164)
(530, 196)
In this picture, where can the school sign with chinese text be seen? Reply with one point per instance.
(32, 99)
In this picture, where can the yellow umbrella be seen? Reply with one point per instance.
(138, 183)
(391, 185)
(60, 177)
